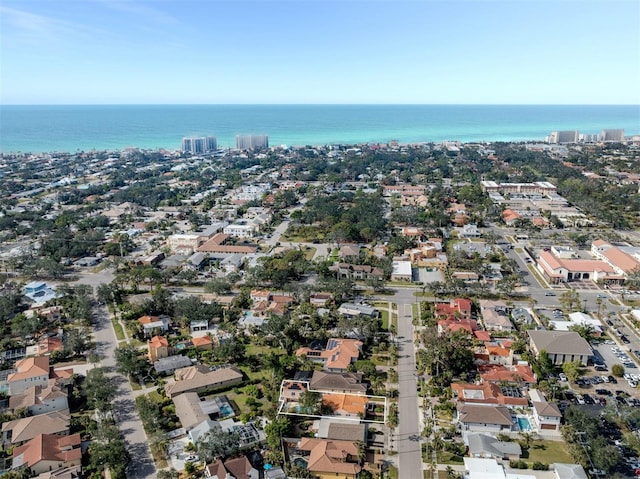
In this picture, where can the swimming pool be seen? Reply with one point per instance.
(226, 410)
(298, 461)
(524, 424)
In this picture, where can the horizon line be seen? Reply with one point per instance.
(317, 104)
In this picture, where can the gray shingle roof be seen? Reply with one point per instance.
(560, 342)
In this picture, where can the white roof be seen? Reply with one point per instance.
(483, 468)
(402, 268)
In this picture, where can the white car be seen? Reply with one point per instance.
(562, 377)
(579, 399)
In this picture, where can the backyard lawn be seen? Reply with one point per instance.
(547, 452)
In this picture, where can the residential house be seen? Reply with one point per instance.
(346, 405)
(349, 251)
(39, 292)
(47, 452)
(199, 325)
(354, 310)
(292, 390)
(453, 325)
(360, 272)
(321, 299)
(520, 374)
(170, 364)
(487, 446)
(561, 346)
(473, 417)
(157, 348)
(235, 468)
(30, 372)
(330, 459)
(547, 416)
(38, 400)
(340, 429)
(459, 308)
(350, 383)
(241, 468)
(201, 378)
(568, 471)
(19, 431)
(45, 346)
(337, 356)
(495, 316)
(259, 296)
(154, 324)
(497, 353)
(203, 343)
(488, 394)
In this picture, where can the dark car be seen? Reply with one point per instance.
(624, 339)
(603, 392)
(612, 380)
(588, 399)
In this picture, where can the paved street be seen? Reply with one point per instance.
(409, 458)
(142, 465)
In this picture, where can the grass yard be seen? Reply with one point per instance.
(309, 252)
(117, 328)
(445, 457)
(384, 315)
(380, 359)
(392, 473)
(256, 350)
(155, 396)
(547, 452)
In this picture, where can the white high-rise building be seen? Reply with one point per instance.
(570, 136)
(251, 142)
(612, 135)
(203, 144)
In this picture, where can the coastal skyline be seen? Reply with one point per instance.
(319, 52)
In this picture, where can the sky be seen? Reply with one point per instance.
(319, 51)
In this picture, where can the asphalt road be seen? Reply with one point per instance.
(126, 415)
(409, 458)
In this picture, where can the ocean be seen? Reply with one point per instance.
(37, 129)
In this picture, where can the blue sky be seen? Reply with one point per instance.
(320, 51)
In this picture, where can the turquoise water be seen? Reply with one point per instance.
(226, 410)
(298, 461)
(524, 424)
(113, 127)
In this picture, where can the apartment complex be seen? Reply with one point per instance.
(251, 142)
(203, 144)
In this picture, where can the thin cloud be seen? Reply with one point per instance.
(141, 10)
(43, 30)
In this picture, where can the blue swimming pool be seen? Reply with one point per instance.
(226, 410)
(524, 424)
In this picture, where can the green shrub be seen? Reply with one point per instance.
(539, 466)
